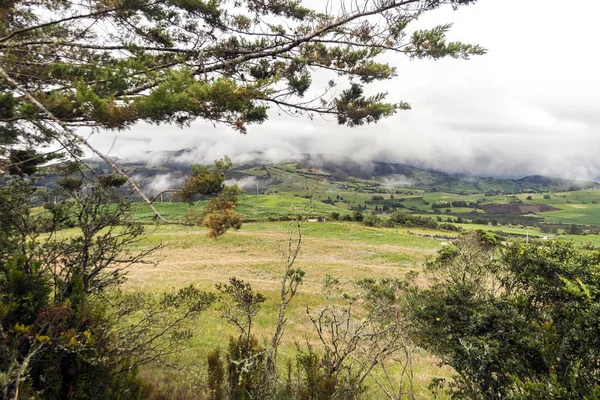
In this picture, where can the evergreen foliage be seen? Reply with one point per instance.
(517, 321)
(112, 64)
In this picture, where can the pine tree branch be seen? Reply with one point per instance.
(56, 22)
(283, 49)
(78, 138)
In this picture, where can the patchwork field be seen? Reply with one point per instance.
(348, 250)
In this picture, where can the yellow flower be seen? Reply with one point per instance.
(42, 339)
(522, 251)
(21, 329)
(437, 318)
(88, 336)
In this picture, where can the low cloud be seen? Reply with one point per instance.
(396, 181)
(159, 183)
(248, 184)
(522, 109)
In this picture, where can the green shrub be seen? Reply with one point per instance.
(246, 369)
(371, 220)
(216, 375)
(520, 321)
(316, 380)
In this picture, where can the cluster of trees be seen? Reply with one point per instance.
(63, 325)
(355, 216)
(397, 218)
(501, 219)
(408, 220)
(456, 203)
(405, 219)
(571, 229)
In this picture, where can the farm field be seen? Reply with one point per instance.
(348, 251)
(355, 228)
(577, 207)
(575, 214)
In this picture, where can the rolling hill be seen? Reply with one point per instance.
(167, 170)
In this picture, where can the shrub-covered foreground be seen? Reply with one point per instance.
(519, 321)
(512, 320)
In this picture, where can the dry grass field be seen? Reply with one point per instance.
(347, 251)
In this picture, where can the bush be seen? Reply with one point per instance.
(216, 375)
(59, 330)
(246, 369)
(449, 227)
(315, 379)
(372, 220)
(519, 321)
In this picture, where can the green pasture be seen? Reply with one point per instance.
(348, 251)
(588, 214)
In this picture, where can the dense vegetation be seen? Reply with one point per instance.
(517, 321)
(60, 320)
(512, 320)
(509, 319)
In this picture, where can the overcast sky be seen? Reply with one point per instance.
(530, 106)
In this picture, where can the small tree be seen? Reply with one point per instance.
(359, 332)
(358, 216)
(239, 305)
(247, 371)
(219, 214)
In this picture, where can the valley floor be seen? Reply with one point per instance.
(348, 251)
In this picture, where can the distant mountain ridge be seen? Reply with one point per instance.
(173, 166)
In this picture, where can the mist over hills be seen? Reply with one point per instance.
(157, 171)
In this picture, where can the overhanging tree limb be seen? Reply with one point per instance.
(70, 132)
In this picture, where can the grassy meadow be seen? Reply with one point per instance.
(348, 251)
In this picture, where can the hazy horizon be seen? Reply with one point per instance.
(528, 107)
(192, 155)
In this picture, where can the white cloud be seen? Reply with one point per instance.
(248, 184)
(156, 184)
(527, 107)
